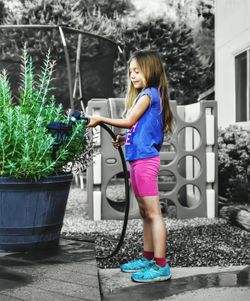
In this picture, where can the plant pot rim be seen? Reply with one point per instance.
(48, 179)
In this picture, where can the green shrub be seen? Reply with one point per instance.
(3, 12)
(234, 163)
(186, 50)
(25, 144)
(37, 40)
(106, 8)
(186, 73)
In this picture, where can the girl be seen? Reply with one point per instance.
(148, 116)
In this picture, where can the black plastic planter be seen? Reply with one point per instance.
(31, 213)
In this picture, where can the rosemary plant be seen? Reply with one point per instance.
(25, 143)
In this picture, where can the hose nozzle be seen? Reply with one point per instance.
(76, 116)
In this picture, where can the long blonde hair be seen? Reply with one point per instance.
(153, 70)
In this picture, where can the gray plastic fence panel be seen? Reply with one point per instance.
(188, 174)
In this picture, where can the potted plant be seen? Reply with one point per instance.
(35, 168)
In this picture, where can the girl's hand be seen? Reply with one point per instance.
(94, 121)
(120, 140)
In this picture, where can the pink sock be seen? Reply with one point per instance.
(148, 254)
(161, 261)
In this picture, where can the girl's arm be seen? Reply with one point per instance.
(138, 110)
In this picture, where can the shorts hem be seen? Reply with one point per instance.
(151, 194)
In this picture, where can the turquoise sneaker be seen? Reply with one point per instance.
(153, 273)
(136, 265)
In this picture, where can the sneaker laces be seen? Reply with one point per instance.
(142, 259)
(151, 263)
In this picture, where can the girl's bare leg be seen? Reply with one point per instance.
(153, 225)
(147, 230)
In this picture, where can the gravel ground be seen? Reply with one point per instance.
(190, 243)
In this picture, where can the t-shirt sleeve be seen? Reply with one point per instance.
(148, 92)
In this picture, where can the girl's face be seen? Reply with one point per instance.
(136, 76)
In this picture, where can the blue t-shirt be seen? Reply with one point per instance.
(144, 139)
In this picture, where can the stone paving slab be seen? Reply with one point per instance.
(68, 272)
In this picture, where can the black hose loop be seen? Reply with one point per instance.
(127, 199)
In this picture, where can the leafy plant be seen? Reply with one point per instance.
(234, 163)
(25, 144)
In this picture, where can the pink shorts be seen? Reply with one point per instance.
(144, 176)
